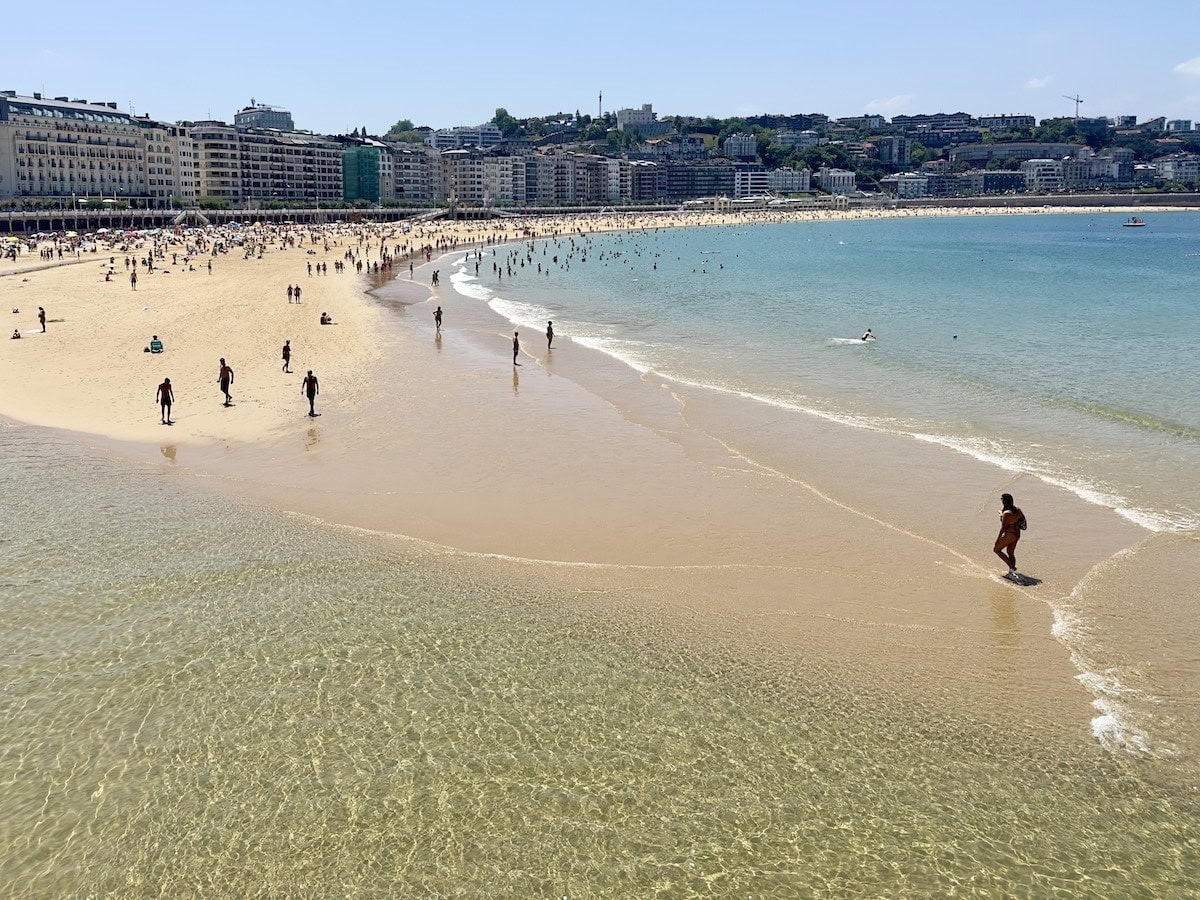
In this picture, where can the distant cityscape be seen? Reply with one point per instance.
(58, 151)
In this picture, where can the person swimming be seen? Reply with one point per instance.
(868, 336)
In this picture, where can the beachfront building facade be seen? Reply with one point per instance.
(170, 163)
(750, 180)
(416, 173)
(266, 165)
(836, 181)
(1181, 167)
(790, 181)
(71, 150)
(366, 173)
(1043, 175)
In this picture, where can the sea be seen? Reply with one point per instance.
(204, 696)
(1058, 345)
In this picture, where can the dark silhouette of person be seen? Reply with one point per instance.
(225, 379)
(549, 335)
(165, 396)
(287, 356)
(42, 318)
(437, 319)
(516, 348)
(311, 388)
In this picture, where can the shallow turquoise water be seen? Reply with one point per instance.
(1055, 344)
(205, 698)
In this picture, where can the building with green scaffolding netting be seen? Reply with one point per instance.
(360, 174)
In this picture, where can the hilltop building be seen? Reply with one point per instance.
(741, 146)
(260, 115)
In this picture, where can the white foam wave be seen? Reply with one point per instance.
(469, 286)
(1011, 461)
(590, 335)
(1116, 726)
(617, 349)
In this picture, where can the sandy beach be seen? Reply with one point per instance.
(89, 372)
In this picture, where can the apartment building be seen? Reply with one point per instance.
(934, 121)
(1042, 175)
(896, 151)
(170, 160)
(417, 173)
(981, 154)
(464, 137)
(790, 181)
(1006, 122)
(797, 140)
(64, 148)
(262, 115)
(836, 181)
(261, 165)
(1181, 167)
(750, 181)
(740, 146)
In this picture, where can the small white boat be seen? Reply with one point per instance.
(1134, 222)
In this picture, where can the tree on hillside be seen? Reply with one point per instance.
(508, 124)
(402, 125)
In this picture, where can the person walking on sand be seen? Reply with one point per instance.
(42, 318)
(287, 356)
(1012, 523)
(516, 348)
(310, 388)
(164, 396)
(225, 379)
(133, 280)
(289, 293)
(437, 319)
(549, 335)
(296, 291)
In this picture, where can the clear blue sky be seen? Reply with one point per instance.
(339, 66)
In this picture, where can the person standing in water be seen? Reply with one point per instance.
(225, 379)
(516, 348)
(165, 396)
(310, 388)
(549, 335)
(437, 319)
(1012, 523)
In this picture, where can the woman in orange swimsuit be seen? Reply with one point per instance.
(1011, 520)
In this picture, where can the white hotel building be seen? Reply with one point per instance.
(64, 149)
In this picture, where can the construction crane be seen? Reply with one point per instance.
(1076, 100)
